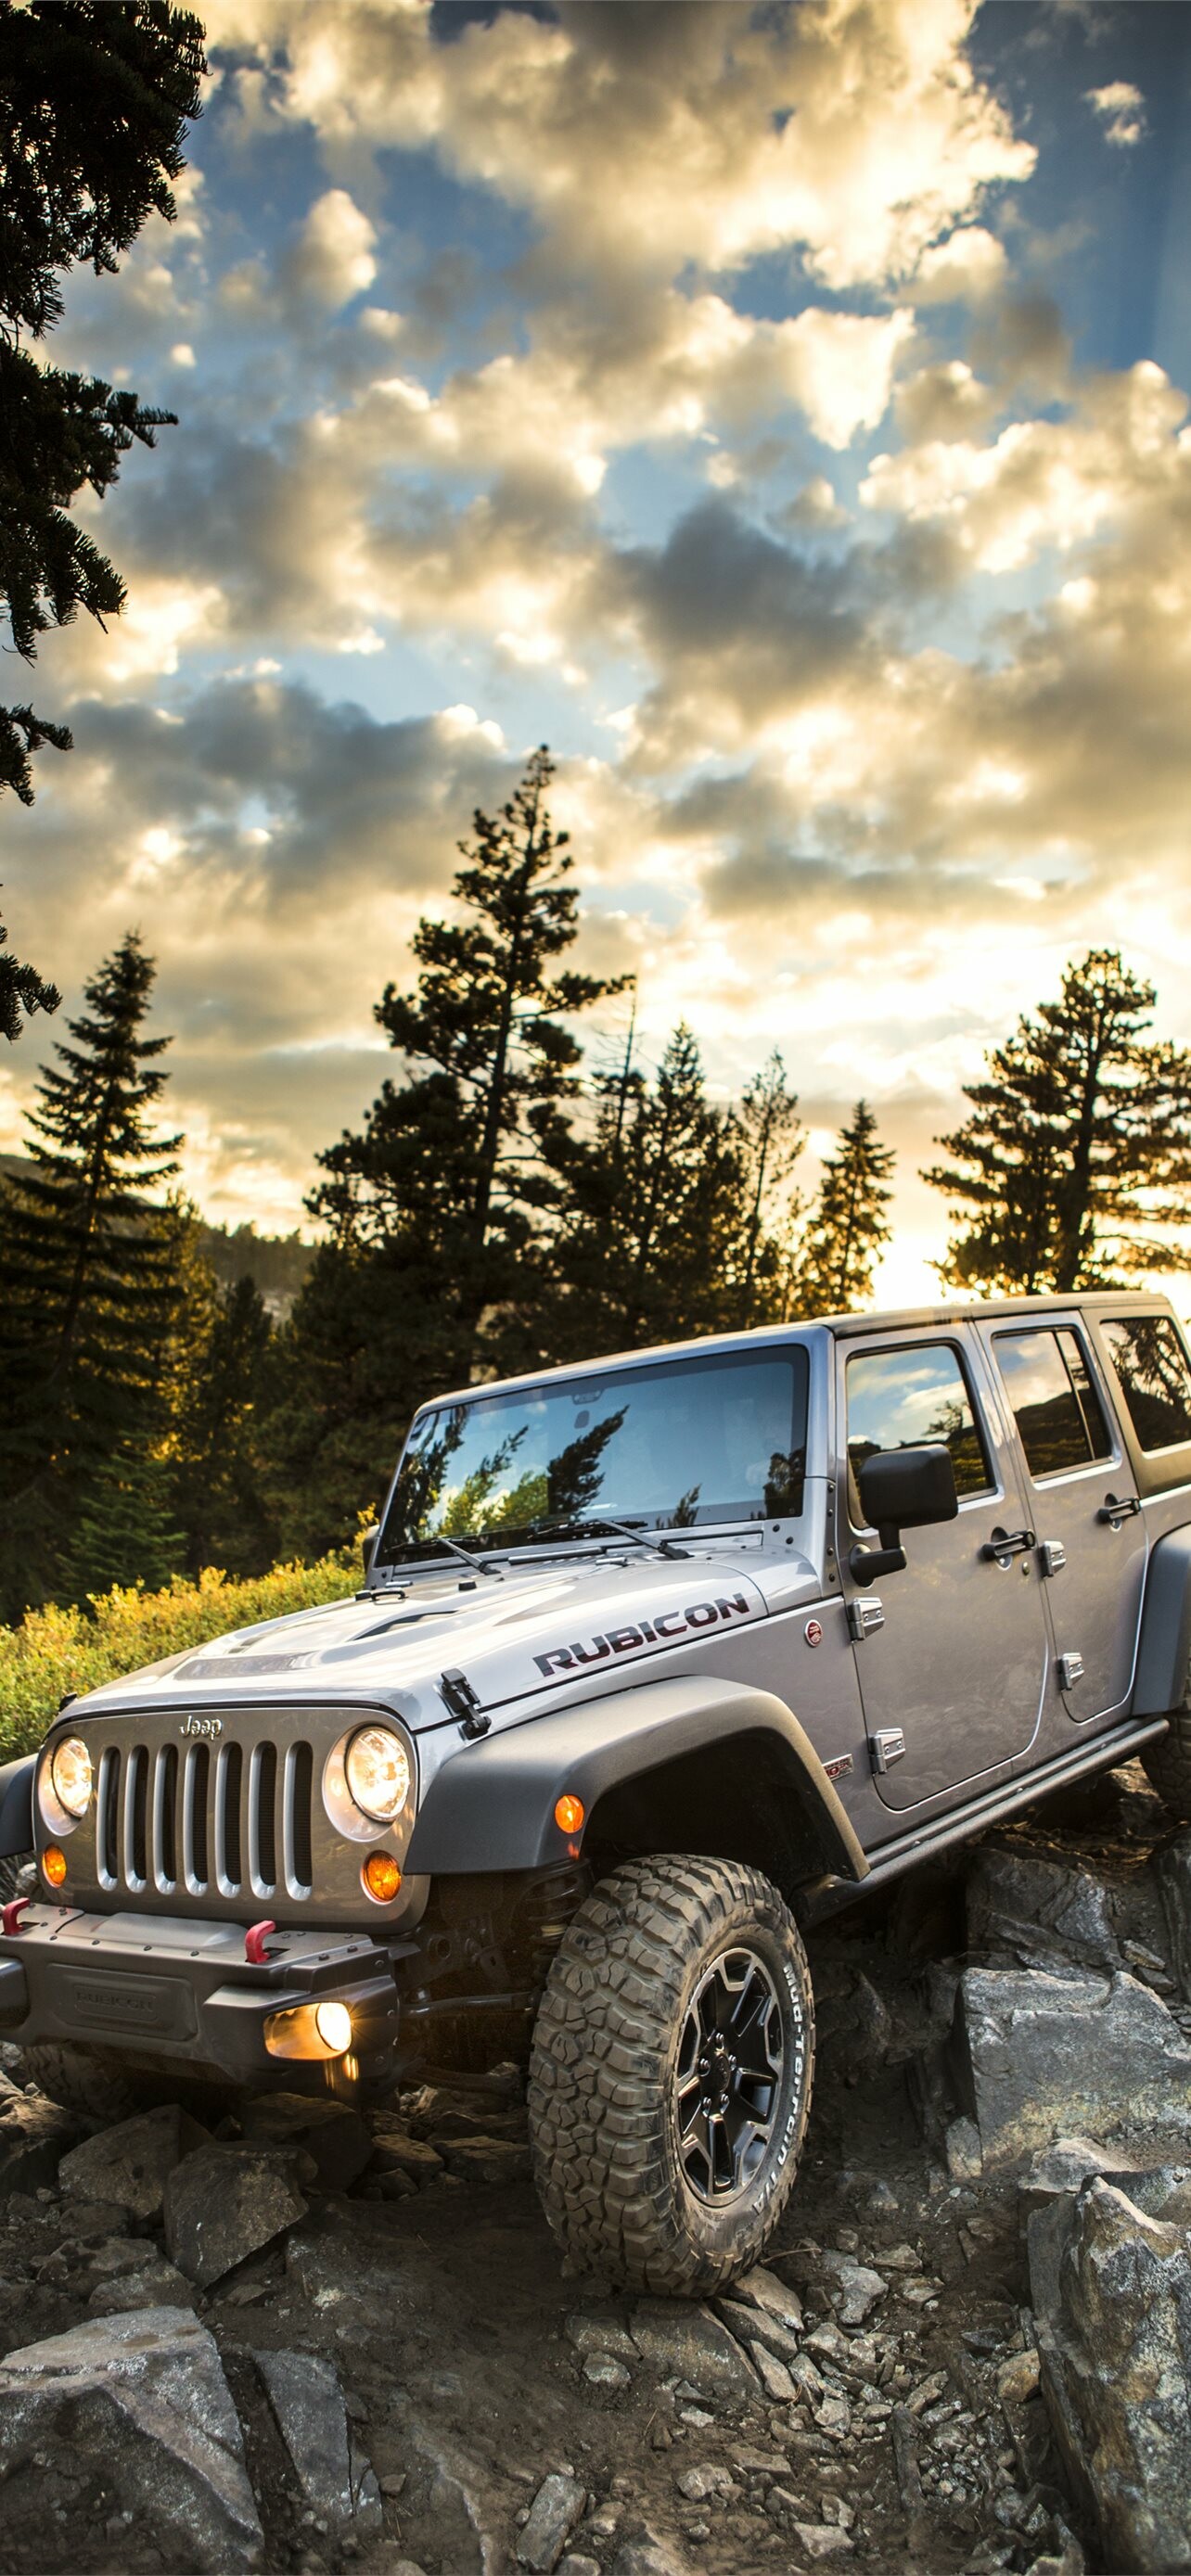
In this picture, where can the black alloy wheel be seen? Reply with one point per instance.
(728, 2078)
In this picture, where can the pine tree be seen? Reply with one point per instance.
(770, 1138)
(450, 1178)
(657, 1203)
(1079, 1144)
(222, 1348)
(847, 1225)
(440, 1210)
(93, 100)
(88, 1276)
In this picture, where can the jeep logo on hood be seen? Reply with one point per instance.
(661, 1631)
(208, 1726)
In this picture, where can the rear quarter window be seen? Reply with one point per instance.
(1155, 1376)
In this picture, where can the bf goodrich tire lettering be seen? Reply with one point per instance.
(604, 2075)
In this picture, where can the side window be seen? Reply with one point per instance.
(1055, 1404)
(905, 1399)
(1152, 1366)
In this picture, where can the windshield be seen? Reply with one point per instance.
(673, 1446)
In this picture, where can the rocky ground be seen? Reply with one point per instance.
(313, 2341)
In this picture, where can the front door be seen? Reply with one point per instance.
(1095, 1559)
(957, 1667)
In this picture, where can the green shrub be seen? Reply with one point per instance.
(55, 1650)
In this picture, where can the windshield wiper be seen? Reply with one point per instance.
(475, 1564)
(623, 1529)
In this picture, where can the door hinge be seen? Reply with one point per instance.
(865, 1617)
(1070, 1670)
(1053, 1555)
(886, 1747)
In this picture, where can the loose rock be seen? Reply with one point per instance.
(691, 2341)
(307, 2402)
(1039, 1910)
(141, 2403)
(334, 2135)
(555, 2510)
(224, 2203)
(603, 2370)
(34, 2135)
(130, 2164)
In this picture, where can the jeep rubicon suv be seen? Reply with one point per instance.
(654, 1659)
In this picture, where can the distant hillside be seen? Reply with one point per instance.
(277, 1263)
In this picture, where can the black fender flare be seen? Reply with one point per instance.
(16, 1806)
(1164, 1646)
(491, 1806)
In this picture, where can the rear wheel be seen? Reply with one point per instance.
(1168, 1764)
(671, 2074)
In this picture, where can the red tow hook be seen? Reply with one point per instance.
(10, 1915)
(254, 1944)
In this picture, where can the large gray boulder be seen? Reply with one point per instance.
(306, 2398)
(225, 2203)
(1038, 2054)
(1111, 2291)
(1174, 1881)
(129, 2165)
(1040, 1911)
(141, 2402)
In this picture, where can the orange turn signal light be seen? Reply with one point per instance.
(381, 1877)
(53, 1864)
(569, 1814)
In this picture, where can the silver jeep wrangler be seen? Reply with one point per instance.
(655, 1659)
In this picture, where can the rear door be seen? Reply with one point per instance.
(1093, 1561)
(953, 1665)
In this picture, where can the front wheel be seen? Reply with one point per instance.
(670, 2080)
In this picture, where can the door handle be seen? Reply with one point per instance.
(1003, 1544)
(1115, 1512)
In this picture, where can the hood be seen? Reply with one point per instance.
(530, 1631)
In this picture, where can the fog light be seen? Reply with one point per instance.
(309, 2031)
(53, 1864)
(381, 1877)
(569, 1814)
(333, 2022)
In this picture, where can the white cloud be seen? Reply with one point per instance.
(968, 266)
(332, 260)
(647, 139)
(1121, 110)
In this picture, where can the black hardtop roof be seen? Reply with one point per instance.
(889, 1319)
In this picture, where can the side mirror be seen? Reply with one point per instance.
(368, 1539)
(901, 1489)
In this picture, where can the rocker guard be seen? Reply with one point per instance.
(491, 1806)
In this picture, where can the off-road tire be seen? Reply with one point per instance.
(101, 2087)
(1167, 1764)
(603, 2074)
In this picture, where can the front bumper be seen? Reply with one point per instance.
(158, 1991)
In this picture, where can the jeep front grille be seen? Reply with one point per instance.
(232, 1819)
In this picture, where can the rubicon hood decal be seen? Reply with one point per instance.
(523, 1638)
(665, 1627)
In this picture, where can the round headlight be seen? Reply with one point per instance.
(378, 1774)
(70, 1775)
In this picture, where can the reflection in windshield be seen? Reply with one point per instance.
(671, 1446)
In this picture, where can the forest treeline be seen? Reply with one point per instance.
(504, 1206)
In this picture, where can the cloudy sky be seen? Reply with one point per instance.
(780, 411)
